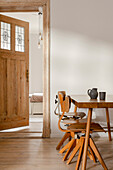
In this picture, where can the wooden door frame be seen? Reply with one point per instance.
(31, 6)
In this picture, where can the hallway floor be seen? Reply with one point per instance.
(34, 130)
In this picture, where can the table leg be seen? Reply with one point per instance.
(84, 162)
(108, 124)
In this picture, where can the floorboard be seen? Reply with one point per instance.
(40, 154)
(34, 130)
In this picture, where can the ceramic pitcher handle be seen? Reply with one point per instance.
(89, 90)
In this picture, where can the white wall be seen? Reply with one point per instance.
(81, 50)
(36, 65)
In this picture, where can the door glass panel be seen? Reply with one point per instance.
(5, 36)
(19, 39)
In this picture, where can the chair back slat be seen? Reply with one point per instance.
(64, 102)
(61, 97)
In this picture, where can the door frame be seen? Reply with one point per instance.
(32, 6)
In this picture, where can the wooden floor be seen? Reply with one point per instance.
(40, 154)
(34, 130)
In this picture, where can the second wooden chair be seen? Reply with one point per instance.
(77, 142)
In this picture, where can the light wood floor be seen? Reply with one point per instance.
(40, 154)
(33, 131)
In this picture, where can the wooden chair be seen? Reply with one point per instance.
(77, 142)
(72, 116)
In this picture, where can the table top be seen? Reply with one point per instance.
(84, 101)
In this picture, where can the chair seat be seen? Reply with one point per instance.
(76, 114)
(82, 127)
(73, 121)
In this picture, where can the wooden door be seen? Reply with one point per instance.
(14, 70)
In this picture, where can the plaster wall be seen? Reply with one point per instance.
(81, 50)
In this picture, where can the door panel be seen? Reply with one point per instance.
(22, 87)
(14, 63)
(3, 86)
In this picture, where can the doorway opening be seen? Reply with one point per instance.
(33, 7)
(35, 21)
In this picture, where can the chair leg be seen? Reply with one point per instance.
(92, 155)
(98, 155)
(65, 147)
(66, 135)
(70, 138)
(80, 155)
(71, 146)
(74, 151)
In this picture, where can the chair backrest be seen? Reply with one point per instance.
(63, 94)
(65, 102)
(61, 97)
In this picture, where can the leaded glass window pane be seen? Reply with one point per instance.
(5, 36)
(19, 39)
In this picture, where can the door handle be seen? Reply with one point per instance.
(27, 75)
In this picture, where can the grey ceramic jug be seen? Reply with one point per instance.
(93, 93)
